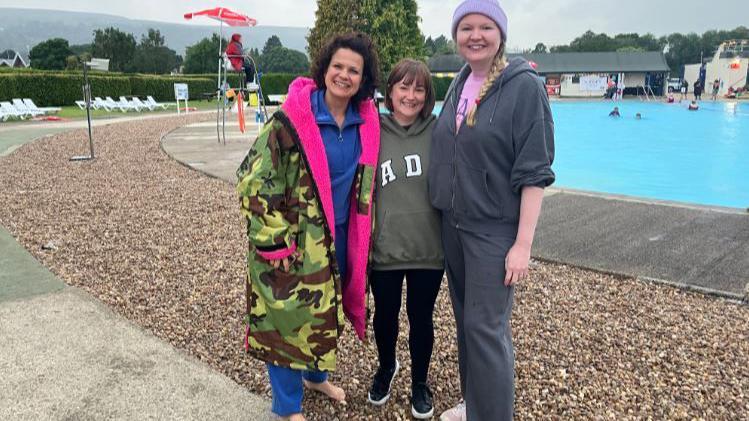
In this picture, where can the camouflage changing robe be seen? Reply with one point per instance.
(295, 317)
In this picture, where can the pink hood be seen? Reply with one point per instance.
(298, 108)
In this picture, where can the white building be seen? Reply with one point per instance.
(588, 74)
(729, 65)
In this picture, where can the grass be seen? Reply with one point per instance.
(72, 112)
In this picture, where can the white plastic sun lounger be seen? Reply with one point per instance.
(133, 106)
(142, 105)
(154, 103)
(45, 110)
(20, 106)
(117, 104)
(10, 111)
(98, 103)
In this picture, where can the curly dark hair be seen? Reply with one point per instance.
(359, 43)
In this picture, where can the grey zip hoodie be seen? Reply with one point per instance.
(407, 227)
(477, 174)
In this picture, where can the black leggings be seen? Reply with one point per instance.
(422, 288)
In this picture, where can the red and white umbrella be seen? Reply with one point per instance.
(224, 15)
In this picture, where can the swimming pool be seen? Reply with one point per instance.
(673, 154)
(699, 157)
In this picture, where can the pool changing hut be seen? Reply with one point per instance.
(586, 74)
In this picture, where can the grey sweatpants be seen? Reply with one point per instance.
(475, 264)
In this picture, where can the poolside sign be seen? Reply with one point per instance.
(593, 83)
(181, 94)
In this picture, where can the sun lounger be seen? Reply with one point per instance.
(154, 103)
(10, 111)
(44, 110)
(99, 103)
(124, 107)
(82, 104)
(20, 106)
(132, 105)
(140, 104)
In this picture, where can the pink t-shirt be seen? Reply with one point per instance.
(468, 97)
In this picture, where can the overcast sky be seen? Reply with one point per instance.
(530, 21)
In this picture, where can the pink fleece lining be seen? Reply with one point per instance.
(298, 108)
(278, 254)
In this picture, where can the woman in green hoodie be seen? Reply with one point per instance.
(407, 234)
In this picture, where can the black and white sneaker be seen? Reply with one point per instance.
(421, 401)
(379, 393)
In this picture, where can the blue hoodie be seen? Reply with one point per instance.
(477, 174)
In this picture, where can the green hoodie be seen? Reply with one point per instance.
(407, 227)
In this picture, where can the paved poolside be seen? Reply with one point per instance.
(693, 247)
(66, 355)
(63, 319)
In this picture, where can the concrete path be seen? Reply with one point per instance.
(13, 135)
(197, 146)
(700, 248)
(65, 355)
(694, 247)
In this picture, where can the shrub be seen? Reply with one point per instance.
(441, 84)
(65, 87)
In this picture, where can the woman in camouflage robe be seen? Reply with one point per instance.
(305, 188)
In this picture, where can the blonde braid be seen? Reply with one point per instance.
(500, 62)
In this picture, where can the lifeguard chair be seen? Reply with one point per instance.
(250, 90)
(224, 15)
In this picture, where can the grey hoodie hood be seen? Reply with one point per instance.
(389, 124)
(477, 173)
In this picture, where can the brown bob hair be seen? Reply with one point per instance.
(359, 43)
(411, 71)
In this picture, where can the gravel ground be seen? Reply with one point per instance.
(163, 246)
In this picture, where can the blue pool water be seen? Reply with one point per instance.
(671, 154)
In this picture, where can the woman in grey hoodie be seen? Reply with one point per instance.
(493, 145)
(407, 234)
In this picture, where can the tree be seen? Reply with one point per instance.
(429, 47)
(592, 42)
(394, 27)
(284, 60)
(682, 49)
(442, 46)
(540, 48)
(255, 54)
(51, 54)
(629, 49)
(271, 43)
(332, 17)
(392, 24)
(115, 45)
(152, 56)
(79, 49)
(202, 57)
(72, 63)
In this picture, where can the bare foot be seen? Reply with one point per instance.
(333, 392)
(296, 417)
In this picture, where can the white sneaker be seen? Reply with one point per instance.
(456, 413)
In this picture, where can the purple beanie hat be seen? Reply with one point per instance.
(488, 8)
